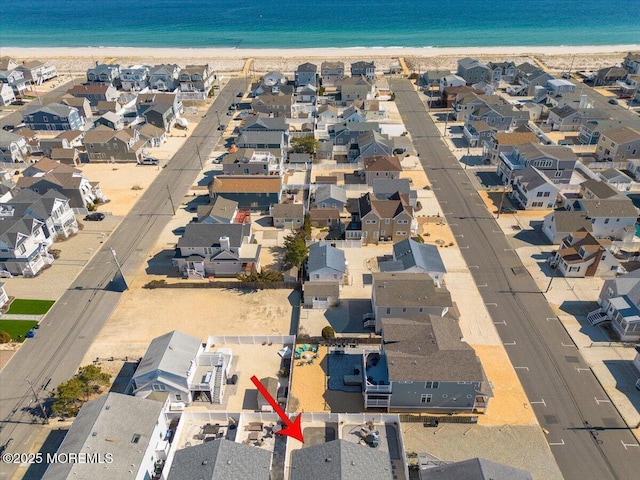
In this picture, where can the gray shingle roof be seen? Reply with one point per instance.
(340, 459)
(249, 137)
(610, 208)
(322, 288)
(383, 187)
(208, 234)
(330, 192)
(220, 459)
(52, 109)
(322, 255)
(221, 208)
(260, 122)
(429, 349)
(475, 469)
(600, 189)
(108, 424)
(571, 221)
(172, 352)
(530, 177)
(409, 290)
(414, 254)
(287, 210)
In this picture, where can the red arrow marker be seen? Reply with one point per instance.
(292, 429)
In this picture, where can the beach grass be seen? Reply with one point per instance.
(17, 328)
(29, 307)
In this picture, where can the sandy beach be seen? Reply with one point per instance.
(75, 60)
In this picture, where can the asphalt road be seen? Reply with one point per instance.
(586, 434)
(70, 327)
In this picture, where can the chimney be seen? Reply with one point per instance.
(224, 243)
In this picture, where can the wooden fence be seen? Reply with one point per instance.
(230, 284)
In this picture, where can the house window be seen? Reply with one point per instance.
(388, 311)
(558, 173)
(135, 438)
(546, 194)
(178, 397)
(426, 398)
(606, 220)
(159, 388)
(574, 269)
(436, 384)
(539, 194)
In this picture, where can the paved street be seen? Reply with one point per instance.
(72, 324)
(585, 432)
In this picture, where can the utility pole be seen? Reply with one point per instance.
(553, 274)
(504, 191)
(218, 117)
(37, 399)
(173, 207)
(115, 259)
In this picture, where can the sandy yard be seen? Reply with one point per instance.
(145, 314)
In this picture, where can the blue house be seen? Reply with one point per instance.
(54, 116)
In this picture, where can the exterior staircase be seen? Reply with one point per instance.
(216, 396)
(597, 317)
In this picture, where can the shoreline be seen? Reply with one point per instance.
(229, 52)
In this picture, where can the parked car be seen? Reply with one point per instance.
(17, 102)
(240, 95)
(149, 161)
(508, 210)
(7, 128)
(613, 101)
(94, 217)
(221, 127)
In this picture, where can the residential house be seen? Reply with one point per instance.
(355, 88)
(13, 148)
(263, 123)
(533, 190)
(325, 217)
(256, 139)
(527, 78)
(556, 162)
(499, 116)
(474, 71)
(220, 210)
(321, 294)
(487, 88)
(619, 144)
(106, 145)
(15, 79)
(424, 366)
(154, 136)
(287, 215)
(591, 130)
(631, 63)
(558, 224)
(582, 255)
(379, 220)
(560, 86)
(330, 196)
(104, 73)
(381, 167)
(183, 368)
(345, 138)
(95, 93)
(373, 144)
(160, 116)
(217, 249)
(306, 74)
(249, 161)
(54, 116)
(449, 81)
(340, 459)
(384, 189)
(68, 156)
(147, 101)
(609, 76)
(633, 167)
(502, 71)
(273, 82)
(136, 430)
(164, 77)
(431, 78)
(221, 459)
(134, 78)
(410, 256)
(474, 469)
(51, 208)
(569, 119)
(104, 107)
(65, 139)
(111, 120)
(278, 105)
(365, 69)
(46, 174)
(326, 263)
(610, 218)
(619, 302)
(477, 132)
(7, 96)
(252, 192)
(23, 246)
(331, 72)
(616, 178)
(81, 103)
(37, 72)
(8, 63)
(197, 78)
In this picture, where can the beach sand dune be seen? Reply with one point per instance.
(77, 60)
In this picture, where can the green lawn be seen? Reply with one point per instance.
(30, 307)
(17, 327)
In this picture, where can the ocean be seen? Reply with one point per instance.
(323, 23)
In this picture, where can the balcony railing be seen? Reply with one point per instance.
(598, 316)
(376, 402)
(369, 388)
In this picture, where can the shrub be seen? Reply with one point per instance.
(5, 337)
(155, 283)
(91, 207)
(418, 206)
(328, 332)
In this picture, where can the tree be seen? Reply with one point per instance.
(328, 332)
(307, 226)
(321, 91)
(296, 249)
(263, 276)
(5, 337)
(304, 144)
(71, 395)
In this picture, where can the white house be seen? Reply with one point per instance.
(13, 148)
(23, 246)
(4, 298)
(533, 190)
(6, 94)
(582, 255)
(410, 256)
(326, 263)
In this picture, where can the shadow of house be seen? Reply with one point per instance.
(347, 316)
(489, 179)
(577, 308)
(250, 400)
(161, 264)
(207, 178)
(532, 237)
(626, 376)
(121, 382)
(50, 446)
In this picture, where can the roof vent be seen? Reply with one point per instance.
(204, 462)
(328, 459)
